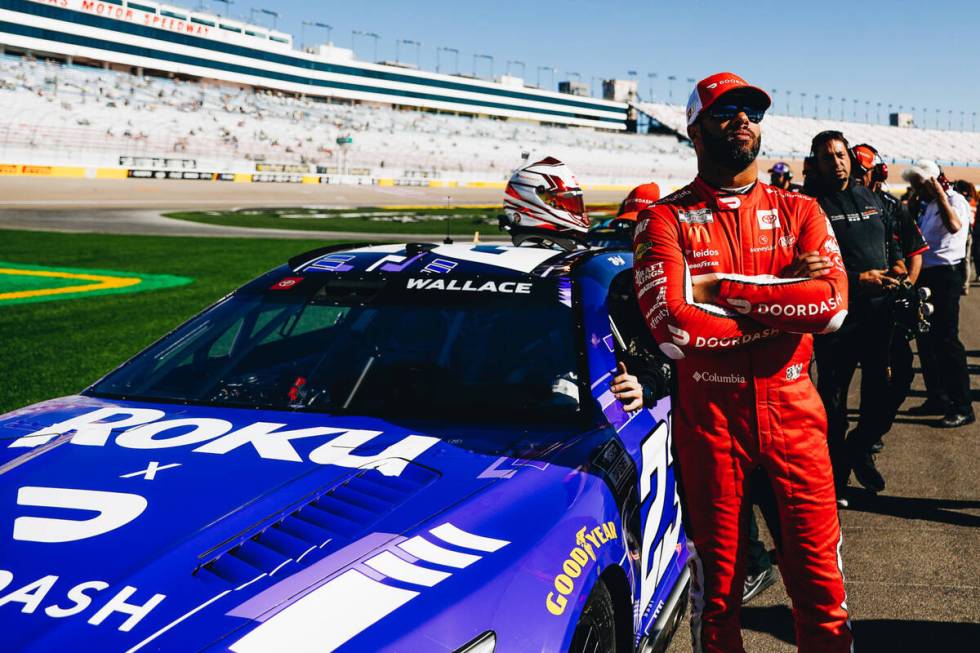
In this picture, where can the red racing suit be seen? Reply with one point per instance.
(744, 396)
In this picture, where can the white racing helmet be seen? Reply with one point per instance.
(543, 200)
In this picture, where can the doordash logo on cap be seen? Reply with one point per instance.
(708, 90)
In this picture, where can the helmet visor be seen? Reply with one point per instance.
(569, 200)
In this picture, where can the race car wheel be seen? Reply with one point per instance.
(596, 628)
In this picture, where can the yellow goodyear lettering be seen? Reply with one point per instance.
(587, 544)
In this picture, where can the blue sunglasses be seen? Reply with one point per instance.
(724, 112)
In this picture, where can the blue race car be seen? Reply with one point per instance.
(399, 448)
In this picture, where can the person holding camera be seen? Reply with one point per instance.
(872, 257)
(944, 217)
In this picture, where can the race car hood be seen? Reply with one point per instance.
(124, 520)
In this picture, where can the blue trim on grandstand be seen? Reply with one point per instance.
(57, 13)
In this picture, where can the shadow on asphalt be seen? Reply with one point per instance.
(941, 511)
(923, 421)
(889, 635)
(776, 620)
(873, 635)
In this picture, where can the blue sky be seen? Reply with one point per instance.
(900, 53)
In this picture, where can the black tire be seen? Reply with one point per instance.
(596, 628)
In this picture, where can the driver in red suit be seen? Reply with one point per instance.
(733, 276)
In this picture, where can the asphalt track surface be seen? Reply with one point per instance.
(911, 554)
(134, 206)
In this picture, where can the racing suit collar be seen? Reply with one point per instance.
(720, 199)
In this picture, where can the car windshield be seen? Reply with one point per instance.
(384, 347)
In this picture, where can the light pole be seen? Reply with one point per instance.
(275, 16)
(973, 126)
(328, 28)
(802, 103)
(483, 56)
(843, 101)
(418, 50)
(577, 76)
(227, 4)
(775, 91)
(962, 116)
(789, 108)
(878, 114)
(867, 110)
(550, 69)
(516, 62)
(445, 49)
(670, 88)
(372, 35)
(854, 112)
(302, 33)
(937, 118)
(418, 54)
(651, 77)
(830, 107)
(816, 106)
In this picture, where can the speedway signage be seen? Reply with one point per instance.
(130, 15)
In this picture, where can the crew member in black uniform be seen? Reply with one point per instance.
(872, 257)
(872, 171)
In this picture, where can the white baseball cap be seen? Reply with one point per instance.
(923, 169)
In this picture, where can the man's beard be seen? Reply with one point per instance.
(729, 153)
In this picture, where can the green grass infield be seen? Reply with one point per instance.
(26, 284)
(461, 222)
(456, 221)
(55, 348)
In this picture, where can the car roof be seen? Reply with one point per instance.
(490, 259)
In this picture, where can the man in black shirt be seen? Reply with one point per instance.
(872, 257)
(872, 171)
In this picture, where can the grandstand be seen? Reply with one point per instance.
(786, 137)
(145, 89)
(70, 114)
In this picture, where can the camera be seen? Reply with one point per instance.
(910, 309)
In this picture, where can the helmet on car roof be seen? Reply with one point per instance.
(544, 200)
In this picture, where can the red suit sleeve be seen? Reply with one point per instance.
(663, 289)
(798, 305)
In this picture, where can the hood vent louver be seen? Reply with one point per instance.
(321, 523)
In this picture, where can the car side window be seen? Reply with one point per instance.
(638, 349)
